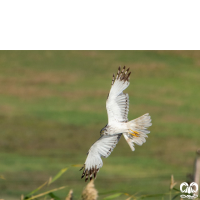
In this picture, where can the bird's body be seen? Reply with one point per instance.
(134, 131)
(114, 129)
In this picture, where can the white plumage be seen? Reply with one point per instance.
(134, 131)
(102, 147)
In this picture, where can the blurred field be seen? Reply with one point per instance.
(52, 108)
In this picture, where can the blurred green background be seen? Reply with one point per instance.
(52, 108)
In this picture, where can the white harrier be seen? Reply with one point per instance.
(134, 131)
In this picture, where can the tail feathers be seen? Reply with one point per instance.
(137, 130)
(142, 122)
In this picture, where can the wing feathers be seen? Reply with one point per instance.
(117, 103)
(113, 79)
(118, 73)
(102, 147)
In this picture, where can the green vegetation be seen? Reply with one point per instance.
(90, 192)
(52, 108)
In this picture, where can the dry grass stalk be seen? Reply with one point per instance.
(172, 183)
(70, 195)
(50, 179)
(89, 193)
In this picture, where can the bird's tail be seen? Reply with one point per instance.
(137, 130)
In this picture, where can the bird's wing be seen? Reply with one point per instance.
(102, 147)
(117, 103)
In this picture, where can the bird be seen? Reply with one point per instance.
(134, 131)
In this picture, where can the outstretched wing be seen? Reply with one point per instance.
(117, 103)
(102, 147)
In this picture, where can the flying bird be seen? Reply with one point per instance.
(134, 131)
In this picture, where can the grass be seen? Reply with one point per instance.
(52, 107)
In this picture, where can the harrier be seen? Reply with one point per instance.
(134, 131)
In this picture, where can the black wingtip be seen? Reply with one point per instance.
(113, 79)
(81, 168)
(82, 175)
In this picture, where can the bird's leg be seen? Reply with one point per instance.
(134, 133)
